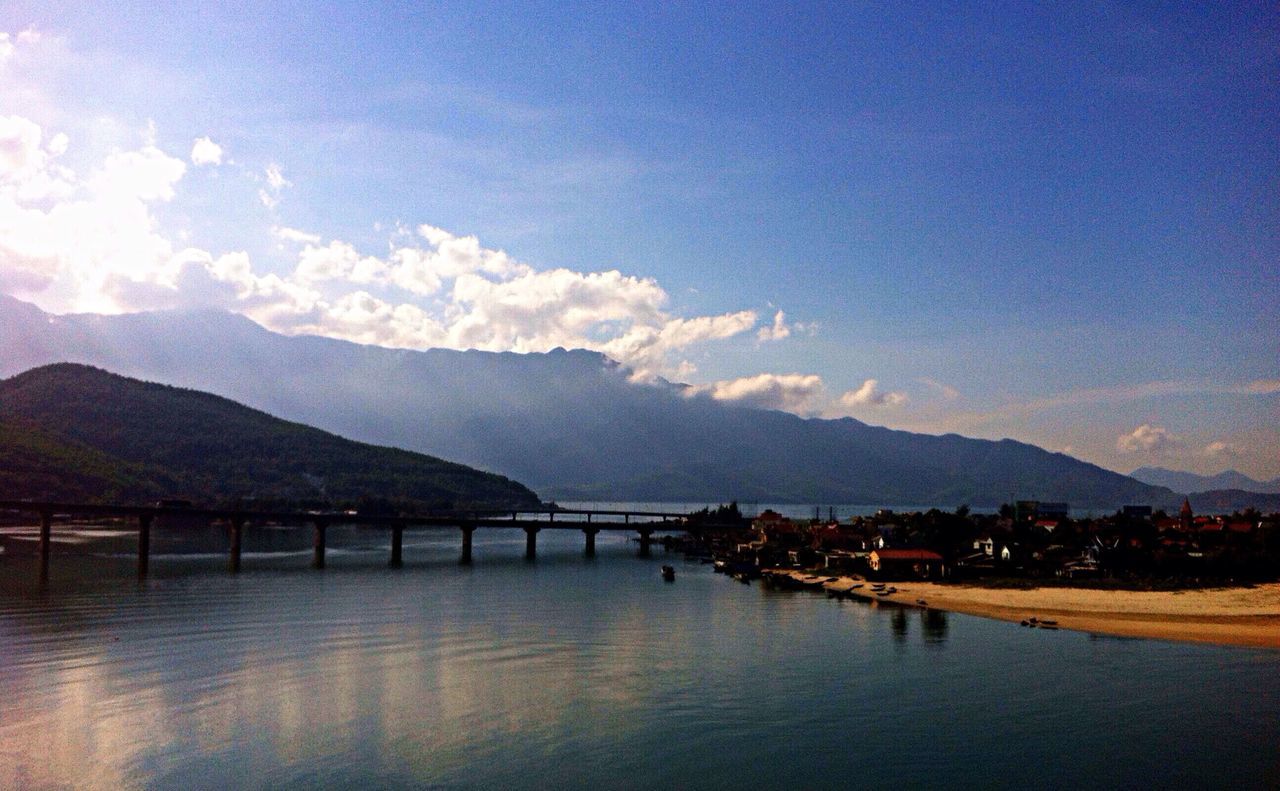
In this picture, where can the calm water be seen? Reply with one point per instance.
(570, 672)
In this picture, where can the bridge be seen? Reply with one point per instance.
(532, 520)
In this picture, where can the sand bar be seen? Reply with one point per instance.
(1245, 616)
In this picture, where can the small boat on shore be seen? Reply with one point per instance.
(669, 573)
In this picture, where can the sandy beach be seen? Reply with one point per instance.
(1226, 616)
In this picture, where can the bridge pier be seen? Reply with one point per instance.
(590, 533)
(46, 538)
(397, 546)
(144, 545)
(317, 558)
(237, 528)
(531, 542)
(467, 530)
(646, 540)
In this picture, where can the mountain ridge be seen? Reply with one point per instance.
(1187, 482)
(569, 423)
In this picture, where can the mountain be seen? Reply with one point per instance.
(79, 433)
(571, 424)
(1190, 482)
(1227, 500)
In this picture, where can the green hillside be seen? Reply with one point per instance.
(77, 432)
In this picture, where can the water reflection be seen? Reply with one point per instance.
(898, 623)
(577, 673)
(934, 623)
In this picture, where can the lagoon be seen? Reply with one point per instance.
(582, 673)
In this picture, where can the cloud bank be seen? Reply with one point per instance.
(92, 242)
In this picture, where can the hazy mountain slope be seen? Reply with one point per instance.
(1225, 500)
(569, 424)
(1190, 482)
(79, 432)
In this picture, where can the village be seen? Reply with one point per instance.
(1035, 541)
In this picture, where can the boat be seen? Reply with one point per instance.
(669, 573)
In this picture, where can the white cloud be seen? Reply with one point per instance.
(947, 392)
(145, 175)
(275, 178)
(870, 394)
(1147, 439)
(95, 244)
(294, 235)
(206, 152)
(777, 332)
(69, 237)
(276, 182)
(9, 43)
(1221, 450)
(803, 394)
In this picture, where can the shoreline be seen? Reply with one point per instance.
(1248, 617)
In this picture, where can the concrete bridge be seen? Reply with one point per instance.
(531, 520)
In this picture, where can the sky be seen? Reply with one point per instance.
(1060, 225)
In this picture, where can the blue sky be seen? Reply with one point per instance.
(1059, 225)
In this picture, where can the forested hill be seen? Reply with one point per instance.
(80, 433)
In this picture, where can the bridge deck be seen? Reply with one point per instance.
(531, 520)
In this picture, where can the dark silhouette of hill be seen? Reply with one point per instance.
(1190, 482)
(75, 432)
(571, 424)
(1227, 500)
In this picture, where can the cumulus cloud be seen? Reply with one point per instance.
(870, 394)
(206, 152)
(93, 243)
(1147, 439)
(72, 235)
(803, 394)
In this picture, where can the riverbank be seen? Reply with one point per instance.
(1223, 616)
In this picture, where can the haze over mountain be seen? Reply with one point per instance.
(77, 433)
(570, 424)
(1180, 481)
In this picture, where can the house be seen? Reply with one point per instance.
(906, 564)
(986, 545)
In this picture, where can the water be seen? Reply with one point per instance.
(582, 673)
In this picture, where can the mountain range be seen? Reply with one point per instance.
(72, 432)
(1180, 481)
(569, 424)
